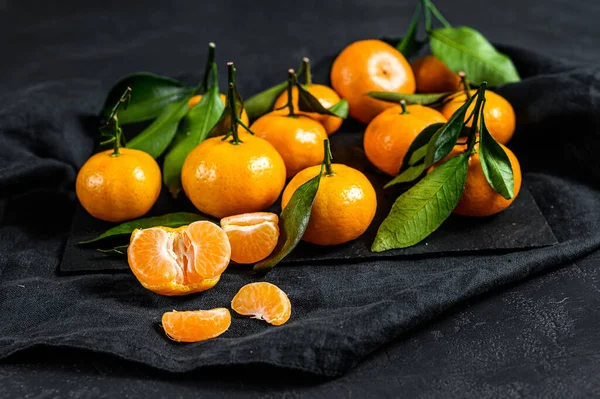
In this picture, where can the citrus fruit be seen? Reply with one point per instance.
(252, 236)
(326, 96)
(479, 198)
(297, 138)
(263, 301)
(196, 99)
(498, 113)
(118, 187)
(344, 206)
(370, 65)
(228, 177)
(388, 136)
(196, 325)
(433, 76)
(179, 261)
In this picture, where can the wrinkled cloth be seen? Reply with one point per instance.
(342, 310)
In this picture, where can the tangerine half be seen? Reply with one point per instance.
(179, 261)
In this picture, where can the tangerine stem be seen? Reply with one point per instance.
(403, 105)
(114, 120)
(328, 158)
(231, 104)
(465, 84)
(209, 62)
(307, 72)
(291, 82)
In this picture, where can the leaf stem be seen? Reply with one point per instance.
(427, 15)
(403, 105)
(465, 84)
(437, 14)
(307, 72)
(209, 63)
(328, 158)
(291, 81)
(476, 112)
(231, 103)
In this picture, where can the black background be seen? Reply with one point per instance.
(535, 339)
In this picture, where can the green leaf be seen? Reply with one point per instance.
(442, 142)
(417, 98)
(309, 103)
(223, 125)
(150, 94)
(262, 102)
(418, 148)
(116, 251)
(409, 44)
(465, 49)
(198, 123)
(177, 219)
(412, 163)
(156, 138)
(495, 163)
(341, 109)
(292, 223)
(408, 175)
(421, 210)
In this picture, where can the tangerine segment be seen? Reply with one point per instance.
(196, 325)
(253, 236)
(179, 261)
(264, 301)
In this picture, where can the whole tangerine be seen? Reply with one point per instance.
(297, 138)
(344, 206)
(479, 198)
(370, 65)
(118, 185)
(223, 177)
(498, 113)
(433, 76)
(326, 96)
(388, 136)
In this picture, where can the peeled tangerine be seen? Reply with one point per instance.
(179, 261)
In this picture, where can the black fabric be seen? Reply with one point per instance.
(341, 312)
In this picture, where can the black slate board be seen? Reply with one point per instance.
(521, 226)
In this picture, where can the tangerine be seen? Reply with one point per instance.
(297, 138)
(388, 136)
(179, 261)
(498, 113)
(370, 65)
(479, 198)
(344, 206)
(433, 76)
(326, 96)
(196, 325)
(252, 236)
(263, 301)
(228, 177)
(118, 185)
